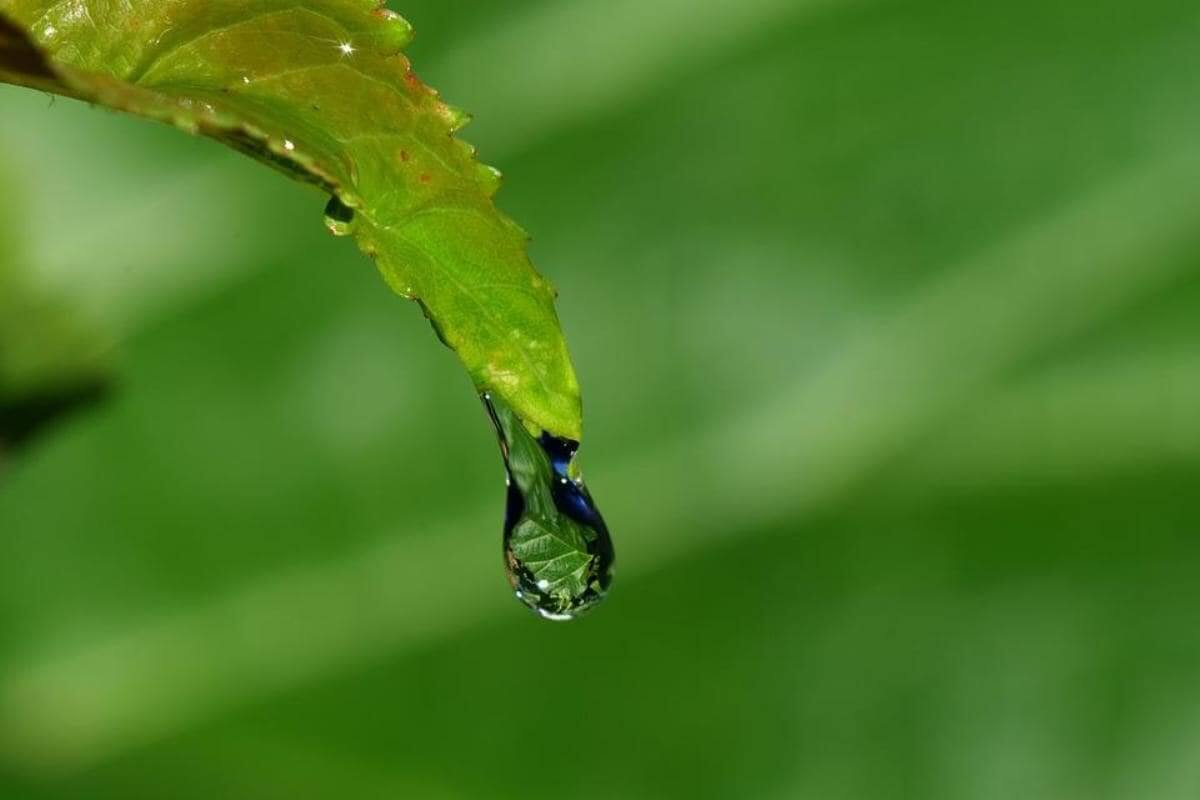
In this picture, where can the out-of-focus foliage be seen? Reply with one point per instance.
(50, 362)
(887, 313)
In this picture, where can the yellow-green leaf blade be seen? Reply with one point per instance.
(321, 90)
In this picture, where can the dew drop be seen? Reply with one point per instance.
(339, 218)
(557, 550)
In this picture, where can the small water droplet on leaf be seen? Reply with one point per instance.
(339, 218)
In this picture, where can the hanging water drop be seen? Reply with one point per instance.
(557, 550)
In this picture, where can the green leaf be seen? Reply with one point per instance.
(321, 90)
(907, 474)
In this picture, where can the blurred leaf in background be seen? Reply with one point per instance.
(51, 362)
(886, 313)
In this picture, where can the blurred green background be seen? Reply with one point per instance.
(887, 319)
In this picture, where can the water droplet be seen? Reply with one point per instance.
(339, 218)
(557, 550)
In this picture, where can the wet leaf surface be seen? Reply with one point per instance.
(322, 91)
